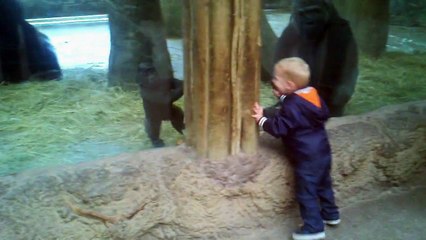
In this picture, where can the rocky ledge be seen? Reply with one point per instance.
(171, 194)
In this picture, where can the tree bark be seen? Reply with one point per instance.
(172, 13)
(369, 20)
(222, 71)
(137, 34)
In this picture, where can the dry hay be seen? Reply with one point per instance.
(80, 118)
(76, 119)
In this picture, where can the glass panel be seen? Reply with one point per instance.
(83, 115)
(84, 80)
(80, 112)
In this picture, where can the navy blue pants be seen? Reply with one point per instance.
(315, 196)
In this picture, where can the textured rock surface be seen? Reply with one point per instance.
(170, 194)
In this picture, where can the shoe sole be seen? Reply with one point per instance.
(312, 236)
(332, 222)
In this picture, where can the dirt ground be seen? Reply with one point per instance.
(398, 214)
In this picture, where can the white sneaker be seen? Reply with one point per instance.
(302, 235)
(332, 222)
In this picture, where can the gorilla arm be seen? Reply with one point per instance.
(164, 92)
(286, 42)
(177, 89)
(341, 73)
(286, 47)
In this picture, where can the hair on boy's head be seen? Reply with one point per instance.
(296, 69)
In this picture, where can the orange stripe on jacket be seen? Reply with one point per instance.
(310, 94)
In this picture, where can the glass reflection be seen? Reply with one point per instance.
(80, 118)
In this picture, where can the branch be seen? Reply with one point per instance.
(102, 217)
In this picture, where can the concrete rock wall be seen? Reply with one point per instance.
(170, 194)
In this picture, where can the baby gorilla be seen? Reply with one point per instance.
(158, 96)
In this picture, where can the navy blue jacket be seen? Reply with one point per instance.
(300, 124)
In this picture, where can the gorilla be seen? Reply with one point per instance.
(24, 51)
(318, 35)
(158, 96)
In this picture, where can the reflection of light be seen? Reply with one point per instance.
(81, 41)
(69, 20)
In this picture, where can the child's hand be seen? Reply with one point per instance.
(258, 111)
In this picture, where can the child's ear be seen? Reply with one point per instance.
(274, 82)
(292, 85)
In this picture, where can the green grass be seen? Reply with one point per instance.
(68, 121)
(395, 78)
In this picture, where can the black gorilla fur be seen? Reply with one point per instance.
(318, 35)
(158, 96)
(24, 51)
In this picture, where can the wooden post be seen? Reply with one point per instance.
(222, 75)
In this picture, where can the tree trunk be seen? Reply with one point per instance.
(369, 21)
(222, 72)
(172, 12)
(137, 34)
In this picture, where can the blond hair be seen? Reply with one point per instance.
(296, 69)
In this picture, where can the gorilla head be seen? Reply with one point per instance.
(311, 17)
(147, 74)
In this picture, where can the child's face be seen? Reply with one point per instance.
(282, 83)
